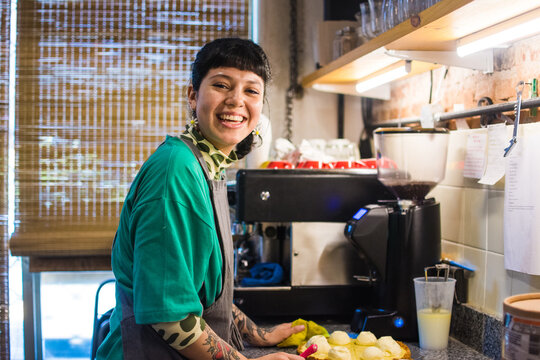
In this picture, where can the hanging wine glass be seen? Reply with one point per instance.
(366, 24)
(374, 11)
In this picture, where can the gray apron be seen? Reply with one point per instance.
(142, 341)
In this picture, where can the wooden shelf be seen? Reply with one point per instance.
(438, 29)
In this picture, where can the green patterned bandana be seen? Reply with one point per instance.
(216, 160)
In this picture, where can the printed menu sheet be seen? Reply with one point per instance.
(522, 204)
(475, 155)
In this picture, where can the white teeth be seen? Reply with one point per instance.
(231, 118)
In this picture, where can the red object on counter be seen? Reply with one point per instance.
(361, 164)
(369, 163)
(310, 350)
(279, 165)
(313, 165)
(343, 165)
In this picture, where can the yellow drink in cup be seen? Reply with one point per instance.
(433, 328)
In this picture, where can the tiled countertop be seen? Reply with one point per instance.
(455, 351)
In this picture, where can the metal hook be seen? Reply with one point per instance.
(519, 91)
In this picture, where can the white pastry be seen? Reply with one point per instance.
(389, 346)
(339, 353)
(373, 353)
(322, 344)
(339, 338)
(366, 338)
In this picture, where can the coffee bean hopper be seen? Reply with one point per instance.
(399, 238)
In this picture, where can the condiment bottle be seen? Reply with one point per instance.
(337, 44)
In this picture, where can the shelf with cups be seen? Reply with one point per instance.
(421, 43)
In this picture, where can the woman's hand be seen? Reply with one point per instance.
(277, 334)
(259, 336)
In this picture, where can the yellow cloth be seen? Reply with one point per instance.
(310, 329)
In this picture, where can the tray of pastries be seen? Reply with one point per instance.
(340, 346)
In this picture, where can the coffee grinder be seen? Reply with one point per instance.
(399, 238)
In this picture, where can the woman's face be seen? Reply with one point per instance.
(228, 105)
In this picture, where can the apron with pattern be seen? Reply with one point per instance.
(141, 341)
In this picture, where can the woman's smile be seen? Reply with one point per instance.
(231, 120)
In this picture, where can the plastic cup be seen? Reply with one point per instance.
(434, 299)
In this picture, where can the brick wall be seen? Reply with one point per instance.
(521, 61)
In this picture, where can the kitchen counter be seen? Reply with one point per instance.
(455, 351)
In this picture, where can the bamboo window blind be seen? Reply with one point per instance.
(4, 112)
(99, 85)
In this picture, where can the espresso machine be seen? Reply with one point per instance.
(295, 218)
(398, 238)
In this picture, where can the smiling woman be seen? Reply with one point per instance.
(173, 254)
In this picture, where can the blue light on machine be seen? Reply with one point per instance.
(399, 322)
(360, 213)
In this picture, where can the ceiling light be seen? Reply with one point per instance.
(384, 76)
(517, 28)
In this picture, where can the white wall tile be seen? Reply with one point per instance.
(495, 223)
(476, 258)
(498, 284)
(450, 198)
(452, 250)
(474, 218)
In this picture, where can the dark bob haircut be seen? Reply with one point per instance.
(237, 53)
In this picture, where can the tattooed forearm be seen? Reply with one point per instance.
(219, 349)
(250, 332)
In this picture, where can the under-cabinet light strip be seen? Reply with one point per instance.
(501, 34)
(385, 77)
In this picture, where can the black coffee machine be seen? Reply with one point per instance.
(398, 239)
(297, 217)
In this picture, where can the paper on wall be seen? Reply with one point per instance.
(521, 210)
(495, 164)
(475, 155)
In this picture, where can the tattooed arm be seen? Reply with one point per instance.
(209, 346)
(194, 339)
(259, 336)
